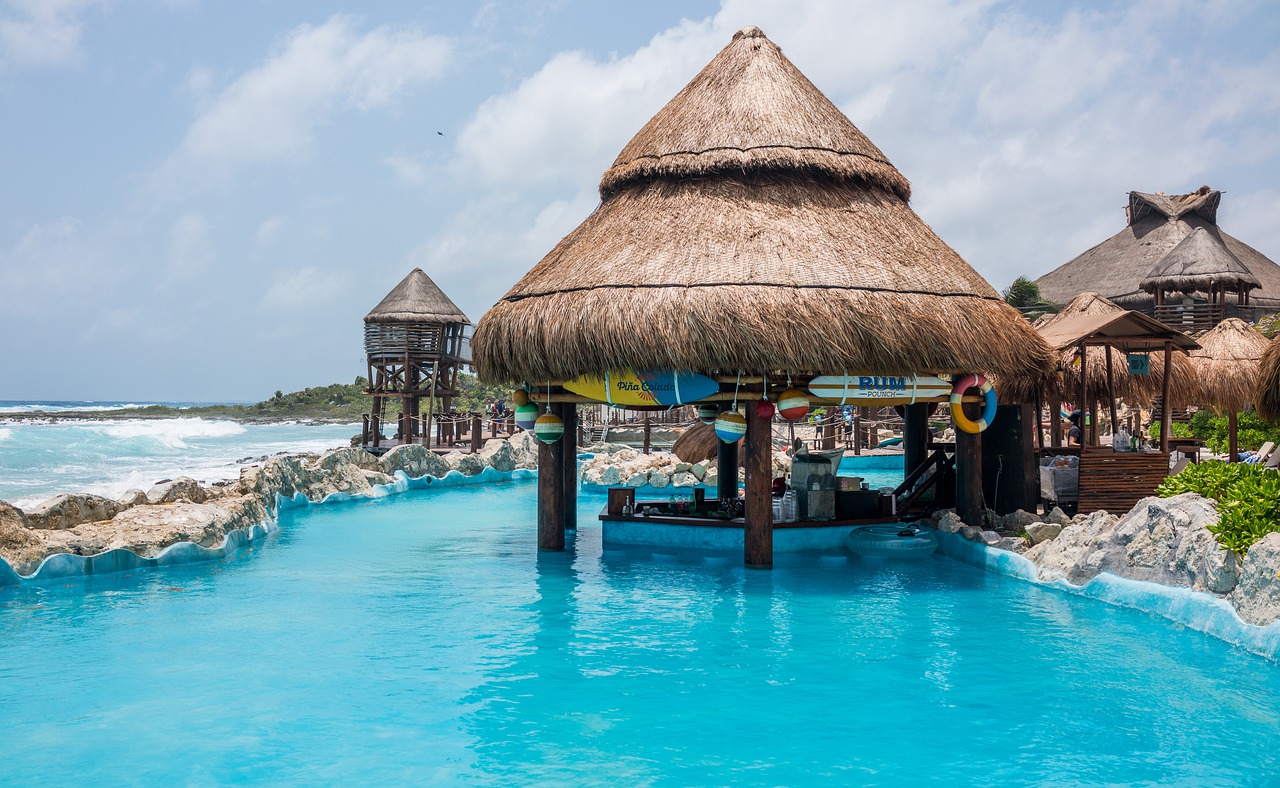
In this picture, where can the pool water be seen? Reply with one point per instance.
(877, 470)
(422, 639)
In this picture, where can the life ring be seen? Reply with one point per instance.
(962, 421)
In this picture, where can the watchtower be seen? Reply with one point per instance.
(416, 341)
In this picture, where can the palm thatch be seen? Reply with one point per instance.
(1199, 262)
(751, 226)
(1065, 385)
(416, 299)
(1157, 224)
(1266, 396)
(1226, 365)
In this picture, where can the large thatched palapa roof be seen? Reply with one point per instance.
(416, 299)
(1156, 250)
(1226, 365)
(751, 226)
(1065, 386)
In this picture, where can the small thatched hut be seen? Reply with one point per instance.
(1174, 262)
(1226, 370)
(415, 343)
(1139, 390)
(1266, 397)
(750, 227)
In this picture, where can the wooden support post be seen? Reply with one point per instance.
(648, 434)
(551, 494)
(1084, 364)
(569, 413)
(477, 434)
(1166, 407)
(1111, 393)
(758, 528)
(915, 435)
(1233, 443)
(364, 430)
(1039, 442)
(857, 431)
(1055, 424)
(726, 467)
(969, 505)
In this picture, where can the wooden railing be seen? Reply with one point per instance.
(940, 461)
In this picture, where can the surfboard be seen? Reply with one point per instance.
(880, 389)
(644, 387)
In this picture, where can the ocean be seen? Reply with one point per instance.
(40, 459)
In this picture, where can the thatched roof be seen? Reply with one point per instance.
(1065, 386)
(416, 299)
(1226, 365)
(775, 242)
(1266, 397)
(1198, 262)
(1157, 225)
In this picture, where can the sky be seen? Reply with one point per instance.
(201, 199)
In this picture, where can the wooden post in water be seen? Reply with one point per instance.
(969, 473)
(477, 434)
(726, 466)
(551, 493)
(569, 470)
(758, 528)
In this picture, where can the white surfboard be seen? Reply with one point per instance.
(872, 390)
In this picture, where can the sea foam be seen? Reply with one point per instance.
(171, 433)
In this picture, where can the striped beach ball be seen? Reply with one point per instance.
(707, 413)
(731, 426)
(526, 415)
(548, 428)
(793, 405)
(520, 397)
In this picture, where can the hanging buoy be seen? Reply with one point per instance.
(707, 413)
(963, 384)
(520, 397)
(548, 428)
(793, 405)
(764, 409)
(731, 426)
(526, 416)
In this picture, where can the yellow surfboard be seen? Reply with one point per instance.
(645, 387)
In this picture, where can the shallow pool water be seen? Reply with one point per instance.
(876, 470)
(421, 638)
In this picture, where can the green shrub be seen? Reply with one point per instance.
(1251, 431)
(1248, 499)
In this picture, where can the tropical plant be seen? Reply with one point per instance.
(1024, 295)
(1251, 431)
(1248, 499)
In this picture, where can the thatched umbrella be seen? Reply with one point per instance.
(1065, 386)
(1226, 370)
(750, 226)
(1266, 397)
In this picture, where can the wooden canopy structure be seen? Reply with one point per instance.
(1174, 262)
(752, 233)
(1226, 367)
(415, 343)
(1064, 386)
(1127, 332)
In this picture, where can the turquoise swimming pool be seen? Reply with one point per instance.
(421, 639)
(877, 470)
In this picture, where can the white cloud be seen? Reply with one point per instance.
(268, 230)
(1022, 127)
(191, 248)
(305, 288)
(41, 33)
(271, 113)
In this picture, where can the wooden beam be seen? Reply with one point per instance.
(551, 495)
(569, 413)
(1166, 407)
(758, 519)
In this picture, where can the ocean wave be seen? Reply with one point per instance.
(5, 433)
(170, 433)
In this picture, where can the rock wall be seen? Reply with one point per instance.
(181, 510)
(658, 469)
(1166, 541)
